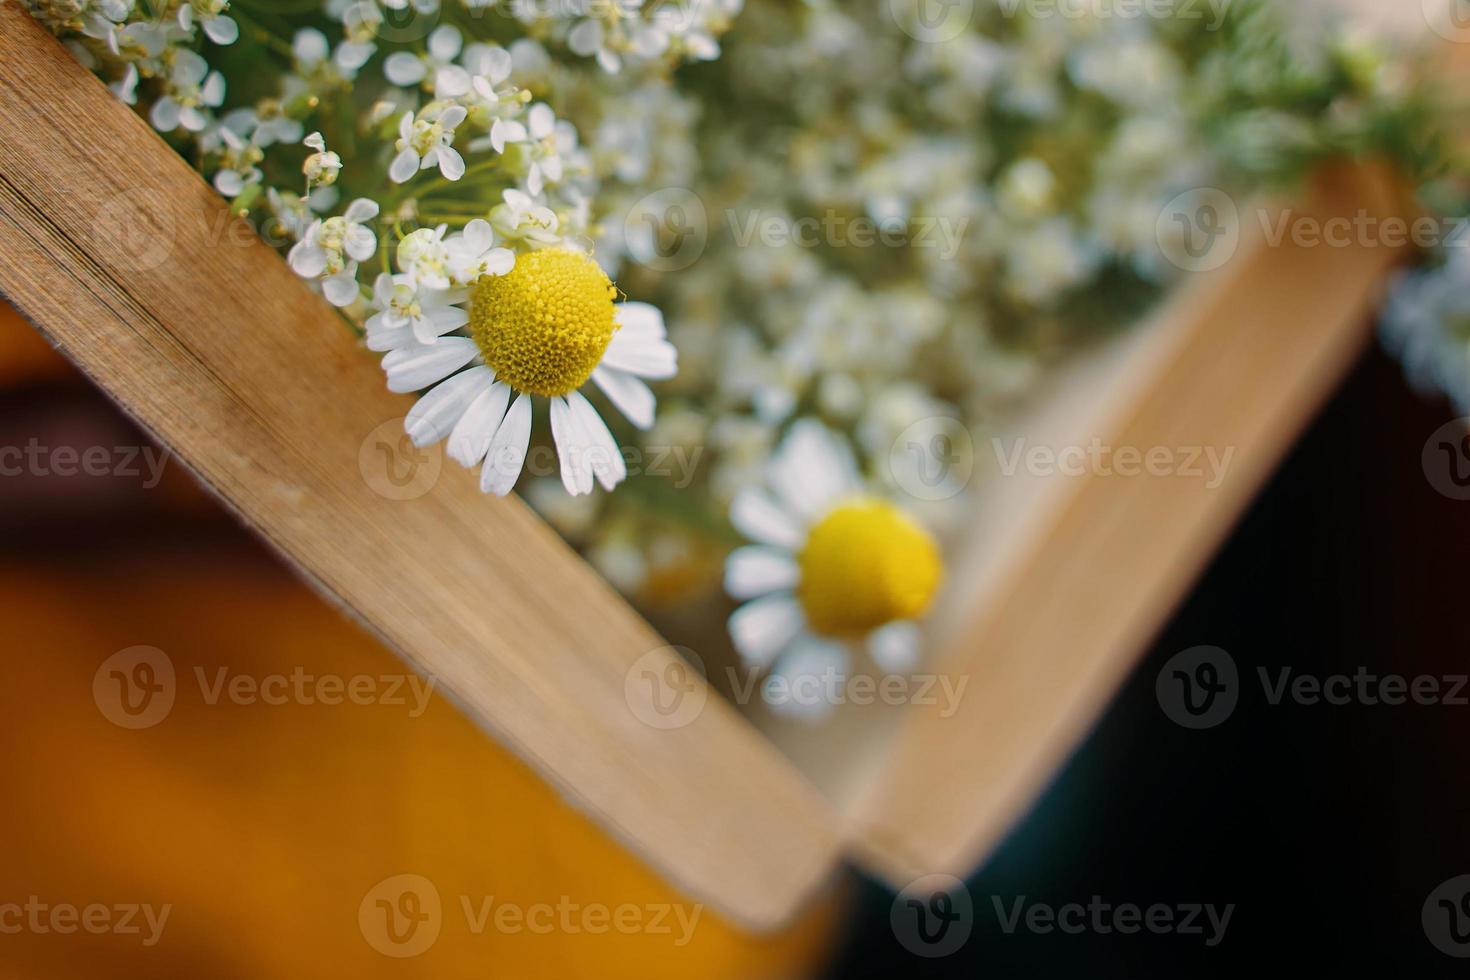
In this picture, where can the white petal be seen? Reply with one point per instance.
(760, 518)
(571, 448)
(807, 682)
(165, 114)
(212, 92)
(341, 289)
(402, 68)
(445, 42)
(228, 182)
(540, 121)
(498, 261)
(359, 243)
(504, 131)
(642, 320)
(435, 414)
(404, 166)
(360, 210)
(813, 469)
(604, 454)
(756, 570)
(307, 261)
(452, 116)
(222, 30)
(479, 236)
(507, 453)
(471, 438)
(450, 82)
(383, 337)
(763, 627)
(310, 45)
(639, 346)
(585, 38)
(895, 647)
(451, 164)
(420, 365)
(628, 394)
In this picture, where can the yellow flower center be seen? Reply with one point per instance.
(544, 325)
(866, 564)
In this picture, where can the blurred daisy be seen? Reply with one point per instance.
(544, 328)
(833, 569)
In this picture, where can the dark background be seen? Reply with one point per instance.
(1326, 826)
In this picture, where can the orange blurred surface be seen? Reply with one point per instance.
(275, 834)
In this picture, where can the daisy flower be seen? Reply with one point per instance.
(543, 329)
(834, 568)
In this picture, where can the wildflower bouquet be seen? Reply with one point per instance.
(866, 228)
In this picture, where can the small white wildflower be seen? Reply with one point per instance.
(473, 253)
(191, 85)
(520, 218)
(406, 68)
(424, 141)
(323, 166)
(410, 312)
(211, 16)
(424, 258)
(331, 249)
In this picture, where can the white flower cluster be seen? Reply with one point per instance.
(863, 225)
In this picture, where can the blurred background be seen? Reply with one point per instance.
(263, 829)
